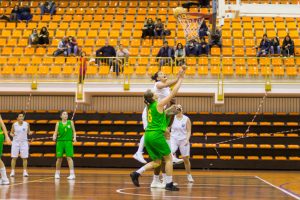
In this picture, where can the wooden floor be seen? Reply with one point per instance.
(112, 184)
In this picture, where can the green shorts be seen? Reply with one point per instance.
(156, 145)
(1, 144)
(64, 147)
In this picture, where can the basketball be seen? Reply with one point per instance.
(178, 10)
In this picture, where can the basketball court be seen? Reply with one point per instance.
(116, 184)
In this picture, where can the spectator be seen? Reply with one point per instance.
(44, 36)
(48, 7)
(167, 52)
(122, 57)
(180, 55)
(15, 14)
(106, 51)
(83, 67)
(215, 39)
(73, 46)
(203, 29)
(25, 13)
(159, 29)
(148, 29)
(33, 38)
(288, 46)
(275, 46)
(4, 17)
(264, 46)
(203, 47)
(191, 48)
(62, 47)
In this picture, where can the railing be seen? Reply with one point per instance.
(100, 68)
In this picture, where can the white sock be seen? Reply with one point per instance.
(169, 179)
(141, 170)
(12, 170)
(72, 171)
(164, 176)
(141, 145)
(57, 172)
(156, 178)
(3, 173)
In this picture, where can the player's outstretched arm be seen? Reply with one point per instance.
(166, 100)
(172, 110)
(170, 83)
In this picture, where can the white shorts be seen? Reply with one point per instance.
(184, 149)
(19, 147)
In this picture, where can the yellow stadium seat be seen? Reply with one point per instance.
(227, 70)
(264, 61)
(239, 51)
(191, 71)
(12, 61)
(92, 70)
(24, 60)
(215, 51)
(227, 51)
(6, 33)
(67, 70)
(55, 70)
(18, 51)
(266, 70)
(279, 71)
(215, 70)
(241, 70)
(19, 70)
(140, 70)
(250, 52)
(128, 70)
(17, 34)
(40, 51)
(6, 51)
(104, 70)
(43, 70)
(276, 61)
(31, 70)
(291, 71)
(75, 26)
(202, 70)
(11, 42)
(7, 70)
(253, 70)
(22, 42)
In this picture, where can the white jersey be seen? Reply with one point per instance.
(161, 93)
(144, 118)
(20, 131)
(178, 130)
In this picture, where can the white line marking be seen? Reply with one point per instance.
(159, 190)
(278, 188)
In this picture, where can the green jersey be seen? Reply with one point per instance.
(1, 135)
(156, 121)
(65, 131)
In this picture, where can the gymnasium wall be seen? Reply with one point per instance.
(135, 103)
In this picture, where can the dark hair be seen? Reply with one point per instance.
(155, 76)
(82, 52)
(166, 42)
(148, 97)
(265, 35)
(61, 112)
(21, 113)
(178, 45)
(288, 37)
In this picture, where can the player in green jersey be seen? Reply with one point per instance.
(64, 135)
(3, 136)
(155, 141)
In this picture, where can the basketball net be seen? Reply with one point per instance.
(191, 23)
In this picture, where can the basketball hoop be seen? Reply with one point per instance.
(190, 22)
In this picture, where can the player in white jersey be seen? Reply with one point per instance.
(19, 132)
(162, 89)
(180, 138)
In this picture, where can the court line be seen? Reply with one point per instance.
(120, 191)
(278, 188)
(37, 180)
